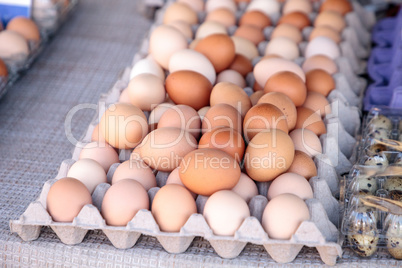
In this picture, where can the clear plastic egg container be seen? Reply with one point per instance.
(48, 17)
(372, 217)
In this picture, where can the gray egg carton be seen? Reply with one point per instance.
(318, 232)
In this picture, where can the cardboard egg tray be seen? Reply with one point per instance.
(320, 231)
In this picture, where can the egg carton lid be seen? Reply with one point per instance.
(318, 232)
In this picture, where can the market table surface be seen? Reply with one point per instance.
(81, 62)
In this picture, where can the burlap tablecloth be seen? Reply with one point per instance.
(82, 61)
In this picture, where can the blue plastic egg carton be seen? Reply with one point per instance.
(385, 64)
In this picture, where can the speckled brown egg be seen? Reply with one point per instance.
(284, 103)
(189, 88)
(319, 81)
(262, 117)
(289, 84)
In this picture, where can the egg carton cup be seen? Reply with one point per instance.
(318, 232)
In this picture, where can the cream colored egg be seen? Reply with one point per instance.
(211, 5)
(146, 91)
(246, 188)
(268, 7)
(188, 59)
(245, 47)
(290, 183)
(284, 47)
(13, 45)
(304, 6)
(196, 5)
(208, 28)
(164, 42)
(322, 45)
(101, 152)
(265, 68)
(157, 113)
(231, 76)
(147, 65)
(89, 172)
(225, 211)
(136, 170)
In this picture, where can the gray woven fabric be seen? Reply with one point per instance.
(84, 60)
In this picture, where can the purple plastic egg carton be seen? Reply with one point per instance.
(385, 64)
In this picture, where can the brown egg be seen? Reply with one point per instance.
(325, 31)
(157, 113)
(306, 141)
(298, 19)
(122, 201)
(341, 6)
(262, 117)
(308, 119)
(304, 6)
(180, 11)
(123, 125)
(222, 114)
(223, 16)
(269, 154)
(25, 27)
(255, 97)
(137, 170)
(182, 117)
(241, 64)
(183, 27)
(331, 19)
(289, 84)
(96, 135)
(164, 148)
(320, 62)
(319, 81)
(231, 94)
(251, 33)
(257, 87)
(285, 105)
(101, 152)
(219, 49)
(255, 18)
(189, 88)
(206, 171)
(172, 206)
(303, 165)
(66, 198)
(3, 70)
(225, 139)
(318, 103)
(287, 30)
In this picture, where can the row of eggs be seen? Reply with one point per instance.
(207, 132)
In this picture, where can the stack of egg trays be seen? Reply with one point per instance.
(384, 65)
(48, 20)
(320, 232)
(376, 177)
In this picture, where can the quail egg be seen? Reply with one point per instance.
(364, 184)
(394, 187)
(380, 121)
(394, 235)
(379, 160)
(379, 134)
(362, 232)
